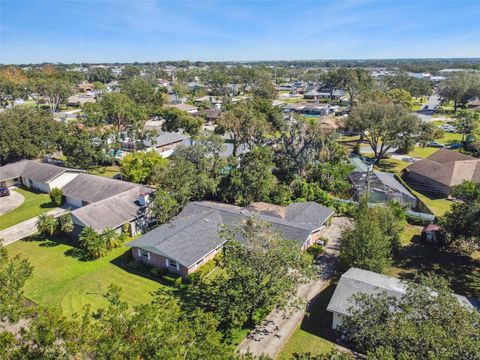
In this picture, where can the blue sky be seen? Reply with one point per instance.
(141, 30)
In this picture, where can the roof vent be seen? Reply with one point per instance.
(206, 220)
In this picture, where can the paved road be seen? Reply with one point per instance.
(25, 228)
(8, 203)
(269, 337)
(426, 114)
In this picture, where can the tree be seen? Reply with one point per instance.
(27, 134)
(416, 87)
(175, 120)
(164, 206)
(12, 85)
(83, 147)
(244, 125)
(372, 239)
(98, 89)
(14, 272)
(142, 92)
(47, 224)
(461, 224)
(141, 167)
(253, 179)
(110, 237)
(467, 121)
(353, 81)
(384, 125)
(100, 74)
(56, 196)
(53, 89)
(427, 322)
(92, 242)
(263, 86)
(65, 223)
(401, 96)
(460, 87)
(258, 274)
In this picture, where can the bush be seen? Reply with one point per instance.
(65, 223)
(56, 196)
(315, 250)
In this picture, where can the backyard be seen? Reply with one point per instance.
(63, 278)
(35, 204)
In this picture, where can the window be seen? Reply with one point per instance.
(172, 263)
(144, 254)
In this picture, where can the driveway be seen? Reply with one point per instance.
(270, 336)
(25, 228)
(8, 203)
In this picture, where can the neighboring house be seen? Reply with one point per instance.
(442, 170)
(166, 142)
(211, 115)
(431, 233)
(96, 201)
(216, 103)
(357, 281)
(192, 237)
(383, 188)
(183, 107)
(79, 100)
(308, 108)
(36, 175)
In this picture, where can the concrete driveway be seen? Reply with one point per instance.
(25, 228)
(270, 336)
(8, 203)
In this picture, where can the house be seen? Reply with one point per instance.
(36, 175)
(166, 142)
(383, 188)
(216, 103)
(278, 103)
(183, 107)
(357, 281)
(79, 100)
(442, 170)
(211, 115)
(192, 237)
(306, 108)
(85, 87)
(96, 201)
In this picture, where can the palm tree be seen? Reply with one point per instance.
(92, 242)
(110, 237)
(47, 224)
(65, 223)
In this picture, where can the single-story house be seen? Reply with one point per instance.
(184, 107)
(192, 237)
(430, 233)
(216, 102)
(383, 188)
(442, 170)
(126, 207)
(211, 115)
(36, 175)
(356, 281)
(166, 142)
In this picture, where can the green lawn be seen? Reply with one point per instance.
(420, 152)
(314, 334)
(416, 256)
(105, 171)
(63, 278)
(34, 205)
(450, 138)
(437, 205)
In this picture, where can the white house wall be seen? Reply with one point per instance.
(37, 185)
(337, 320)
(75, 203)
(63, 179)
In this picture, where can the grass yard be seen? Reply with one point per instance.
(105, 171)
(419, 152)
(62, 278)
(392, 165)
(34, 205)
(416, 256)
(314, 334)
(437, 205)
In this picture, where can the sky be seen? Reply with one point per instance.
(146, 30)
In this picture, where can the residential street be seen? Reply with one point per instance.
(25, 228)
(269, 337)
(427, 114)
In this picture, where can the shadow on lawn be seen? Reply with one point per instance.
(419, 257)
(54, 241)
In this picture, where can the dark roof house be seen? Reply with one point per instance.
(193, 235)
(442, 170)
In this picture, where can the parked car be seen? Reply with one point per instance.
(4, 191)
(455, 146)
(435, 144)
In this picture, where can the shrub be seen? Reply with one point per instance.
(47, 225)
(65, 223)
(56, 196)
(315, 250)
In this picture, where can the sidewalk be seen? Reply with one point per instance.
(25, 228)
(270, 336)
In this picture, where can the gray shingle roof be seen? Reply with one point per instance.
(91, 188)
(194, 233)
(356, 281)
(32, 169)
(112, 212)
(166, 138)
